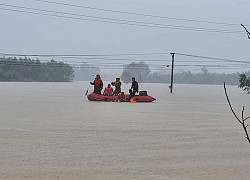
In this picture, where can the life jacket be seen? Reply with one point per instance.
(121, 95)
(109, 91)
(98, 82)
(117, 83)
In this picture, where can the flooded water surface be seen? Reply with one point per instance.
(51, 131)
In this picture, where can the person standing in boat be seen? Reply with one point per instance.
(134, 88)
(98, 84)
(117, 85)
(108, 91)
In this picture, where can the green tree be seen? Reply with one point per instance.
(140, 71)
(25, 69)
(244, 83)
(84, 72)
(126, 77)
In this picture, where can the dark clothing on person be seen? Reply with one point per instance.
(134, 88)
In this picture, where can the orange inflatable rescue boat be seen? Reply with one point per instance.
(142, 97)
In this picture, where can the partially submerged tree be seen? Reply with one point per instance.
(244, 83)
(84, 72)
(242, 121)
(138, 70)
(26, 69)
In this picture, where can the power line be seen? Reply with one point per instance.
(81, 55)
(126, 21)
(100, 56)
(108, 68)
(112, 61)
(199, 61)
(118, 59)
(138, 14)
(209, 65)
(103, 57)
(213, 58)
(216, 68)
(78, 18)
(111, 65)
(75, 64)
(67, 65)
(87, 64)
(111, 20)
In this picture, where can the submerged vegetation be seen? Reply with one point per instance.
(28, 70)
(140, 71)
(196, 78)
(244, 83)
(143, 74)
(85, 71)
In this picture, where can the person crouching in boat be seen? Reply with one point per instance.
(108, 91)
(121, 97)
(117, 85)
(98, 84)
(134, 88)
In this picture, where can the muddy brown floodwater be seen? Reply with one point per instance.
(51, 131)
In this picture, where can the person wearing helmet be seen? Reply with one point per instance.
(117, 85)
(134, 88)
(108, 91)
(98, 84)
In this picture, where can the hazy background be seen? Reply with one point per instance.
(51, 130)
(37, 34)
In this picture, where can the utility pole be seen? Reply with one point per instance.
(172, 73)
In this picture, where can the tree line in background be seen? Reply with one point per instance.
(197, 78)
(28, 70)
(142, 73)
(84, 72)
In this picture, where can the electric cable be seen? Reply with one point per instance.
(111, 20)
(137, 14)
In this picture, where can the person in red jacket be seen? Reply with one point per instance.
(98, 84)
(108, 91)
(117, 85)
(120, 97)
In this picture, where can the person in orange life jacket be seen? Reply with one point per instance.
(134, 88)
(121, 97)
(117, 85)
(98, 84)
(108, 91)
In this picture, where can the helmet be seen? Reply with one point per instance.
(98, 75)
(117, 77)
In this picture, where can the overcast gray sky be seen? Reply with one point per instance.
(37, 34)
